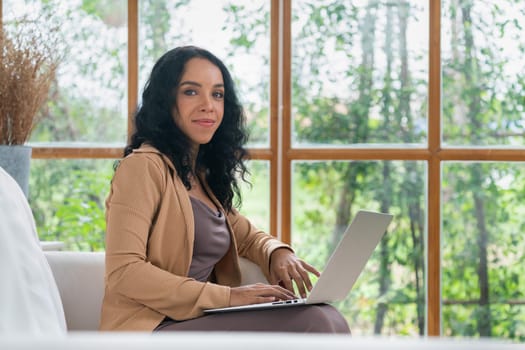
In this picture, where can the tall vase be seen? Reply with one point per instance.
(16, 162)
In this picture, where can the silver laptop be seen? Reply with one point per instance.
(344, 266)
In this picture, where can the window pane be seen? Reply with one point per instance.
(482, 252)
(256, 194)
(87, 101)
(236, 32)
(389, 296)
(68, 201)
(483, 72)
(359, 72)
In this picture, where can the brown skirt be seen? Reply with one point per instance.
(302, 319)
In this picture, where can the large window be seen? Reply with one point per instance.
(407, 106)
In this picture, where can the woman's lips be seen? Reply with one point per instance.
(205, 122)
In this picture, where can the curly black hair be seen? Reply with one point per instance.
(223, 157)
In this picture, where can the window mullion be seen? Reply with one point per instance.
(434, 173)
(133, 59)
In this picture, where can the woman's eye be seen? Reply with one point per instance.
(218, 94)
(190, 92)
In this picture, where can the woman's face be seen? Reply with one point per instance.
(200, 101)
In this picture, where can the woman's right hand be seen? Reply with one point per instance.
(258, 293)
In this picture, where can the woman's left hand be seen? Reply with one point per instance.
(286, 268)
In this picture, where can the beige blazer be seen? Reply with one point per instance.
(149, 245)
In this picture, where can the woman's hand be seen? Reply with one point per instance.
(286, 268)
(258, 293)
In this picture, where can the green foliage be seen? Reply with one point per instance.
(461, 282)
(112, 13)
(69, 118)
(67, 198)
(250, 28)
(247, 33)
(256, 194)
(483, 84)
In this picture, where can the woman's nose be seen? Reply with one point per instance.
(206, 104)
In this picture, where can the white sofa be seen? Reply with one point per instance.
(80, 280)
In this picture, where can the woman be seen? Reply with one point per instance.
(173, 236)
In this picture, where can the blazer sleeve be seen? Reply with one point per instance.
(131, 210)
(253, 243)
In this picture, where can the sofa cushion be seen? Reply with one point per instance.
(250, 272)
(80, 280)
(28, 293)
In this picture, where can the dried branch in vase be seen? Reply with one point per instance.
(28, 63)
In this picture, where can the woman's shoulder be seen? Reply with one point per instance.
(146, 159)
(145, 151)
(148, 154)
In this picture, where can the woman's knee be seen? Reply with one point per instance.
(327, 319)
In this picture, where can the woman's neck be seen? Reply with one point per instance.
(194, 152)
